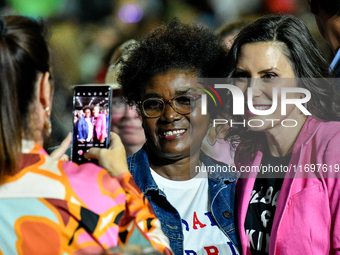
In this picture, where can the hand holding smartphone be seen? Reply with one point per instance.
(113, 159)
(92, 118)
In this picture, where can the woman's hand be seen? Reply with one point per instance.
(112, 159)
(59, 153)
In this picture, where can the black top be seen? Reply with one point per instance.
(262, 205)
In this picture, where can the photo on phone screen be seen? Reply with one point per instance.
(92, 118)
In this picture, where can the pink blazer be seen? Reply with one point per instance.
(307, 217)
(101, 126)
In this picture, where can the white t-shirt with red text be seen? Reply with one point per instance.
(190, 198)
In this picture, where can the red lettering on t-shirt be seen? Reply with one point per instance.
(211, 250)
(196, 221)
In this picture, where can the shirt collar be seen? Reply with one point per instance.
(139, 163)
(29, 146)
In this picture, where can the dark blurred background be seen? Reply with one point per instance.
(84, 33)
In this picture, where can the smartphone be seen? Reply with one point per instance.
(91, 120)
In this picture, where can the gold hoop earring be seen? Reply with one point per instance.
(48, 124)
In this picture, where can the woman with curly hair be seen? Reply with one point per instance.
(295, 211)
(196, 214)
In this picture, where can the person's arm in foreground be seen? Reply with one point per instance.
(138, 213)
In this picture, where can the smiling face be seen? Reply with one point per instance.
(87, 113)
(264, 63)
(95, 111)
(126, 123)
(170, 135)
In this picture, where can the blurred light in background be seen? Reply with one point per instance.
(37, 8)
(130, 13)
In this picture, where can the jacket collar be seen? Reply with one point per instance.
(307, 132)
(139, 162)
(219, 176)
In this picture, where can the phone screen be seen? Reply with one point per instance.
(91, 122)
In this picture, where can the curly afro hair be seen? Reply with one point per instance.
(86, 107)
(174, 46)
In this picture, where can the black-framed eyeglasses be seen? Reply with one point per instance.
(182, 104)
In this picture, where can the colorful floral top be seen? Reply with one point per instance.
(59, 207)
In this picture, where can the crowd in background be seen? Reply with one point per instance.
(165, 132)
(84, 34)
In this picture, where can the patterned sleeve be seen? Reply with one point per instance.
(59, 207)
(139, 219)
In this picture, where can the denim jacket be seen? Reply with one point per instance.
(221, 199)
